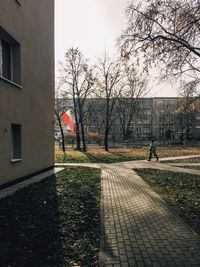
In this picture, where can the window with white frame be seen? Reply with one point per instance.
(147, 130)
(16, 153)
(147, 121)
(147, 111)
(132, 124)
(9, 58)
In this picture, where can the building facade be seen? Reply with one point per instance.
(154, 118)
(26, 88)
(158, 118)
(168, 125)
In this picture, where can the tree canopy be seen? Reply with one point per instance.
(165, 31)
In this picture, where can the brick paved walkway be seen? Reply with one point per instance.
(137, 227)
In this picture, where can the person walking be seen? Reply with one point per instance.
(152, 150)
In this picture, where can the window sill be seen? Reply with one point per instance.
(15, 160)
(8, 81)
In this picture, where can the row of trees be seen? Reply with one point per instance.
(161, 33)
(110, 80)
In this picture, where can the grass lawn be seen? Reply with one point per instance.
(195, 167)
(54, 222)
(96, 155)
(180, 191)
(192, 160)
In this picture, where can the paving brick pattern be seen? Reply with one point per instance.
(137, 227)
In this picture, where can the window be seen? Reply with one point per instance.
(147, 121)
(6, 59)
(139, 121)
(92, 128)
(9, 58)
(147, 111)
(147, 130)
(146, 103)
(16, 142)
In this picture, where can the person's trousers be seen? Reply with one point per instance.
(150, 155)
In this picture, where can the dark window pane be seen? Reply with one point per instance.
(16, 141)
(10, 67)
(6, 59)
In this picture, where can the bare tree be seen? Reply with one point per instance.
(95, 116)
(110, 74)
(133, 87)
(165, 31)
(78, 77)
(186, 108)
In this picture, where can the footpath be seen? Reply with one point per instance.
(137, 227)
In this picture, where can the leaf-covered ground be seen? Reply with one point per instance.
(97, 155)
(181, 191)
(192, 160)
(52, 223)
(192, 167)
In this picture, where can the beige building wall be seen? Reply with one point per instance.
(31, 104)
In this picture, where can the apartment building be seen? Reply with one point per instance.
(168, 125)
(165, 124)
(143, 120)
(26, 89)
(153, 118)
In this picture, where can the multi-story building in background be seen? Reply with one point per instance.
(165, 124)
(154, 118)
(169, 125)
(143, 120)
(26, 88)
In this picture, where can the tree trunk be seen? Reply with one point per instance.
(107, 124)
(126, 135)
(78, 139)
(106, 140)
(62, 134)
(83, 137)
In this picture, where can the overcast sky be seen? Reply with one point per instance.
(93, 26)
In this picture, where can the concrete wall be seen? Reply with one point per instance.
(32, 25)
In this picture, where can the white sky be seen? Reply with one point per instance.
(93, 26)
